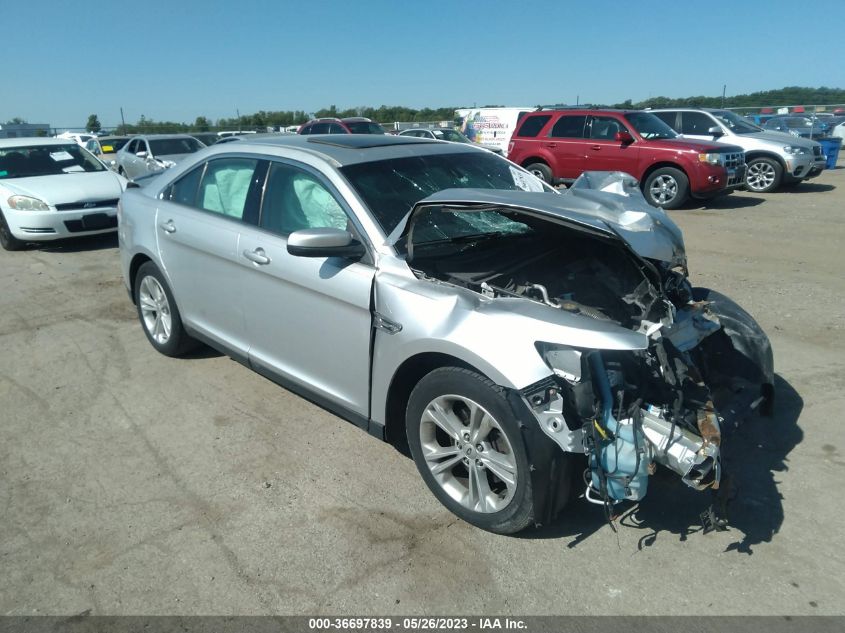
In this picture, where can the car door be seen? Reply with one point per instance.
(198, 224)
(127, 158)
(604, 152)
(308, 319)
(566, 145)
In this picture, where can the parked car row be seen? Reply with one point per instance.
(715, 152)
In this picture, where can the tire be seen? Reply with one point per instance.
(542, 171)
(8, 241)
(157, 311)
(763, 175)
(450, 413)
(666, 187)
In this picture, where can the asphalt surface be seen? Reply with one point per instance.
(132, 483)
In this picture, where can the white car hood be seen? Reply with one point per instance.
(68, 188)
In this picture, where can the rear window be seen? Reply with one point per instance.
(364, 127)
(533, 124)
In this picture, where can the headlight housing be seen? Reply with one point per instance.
(26, 203)
(713, 158)
(167, 164)
(794, 150)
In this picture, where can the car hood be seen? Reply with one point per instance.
(688, 144)
(608, 203)
(68, 188)
(780, 137)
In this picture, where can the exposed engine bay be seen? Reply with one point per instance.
(707, 363)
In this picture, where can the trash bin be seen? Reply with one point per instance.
(830, 147)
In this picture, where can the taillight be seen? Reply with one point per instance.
(510, 147)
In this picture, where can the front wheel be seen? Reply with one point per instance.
(466, 443)
(763, 175)
(158, 313)
(8, 241)
(666, 187)
(541, 170)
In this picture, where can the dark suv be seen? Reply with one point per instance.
(349, 125)
(559, 145)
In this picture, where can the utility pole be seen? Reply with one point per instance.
(239, 119)
(724, 87)
(122, 122)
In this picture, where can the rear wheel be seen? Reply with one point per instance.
(8, 241)
(158, 313)
(666, 187)
(541, 170)
(466, 443)
(763, 175)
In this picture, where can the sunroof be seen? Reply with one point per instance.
(364, 141)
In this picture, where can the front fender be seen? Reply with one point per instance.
(496, 336)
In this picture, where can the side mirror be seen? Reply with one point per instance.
(141, 154)
(324, 242)
(623, 137)
(715, 131)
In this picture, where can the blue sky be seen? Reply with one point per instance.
(183, 58)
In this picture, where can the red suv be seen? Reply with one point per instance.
(349, 125)
(559, 145)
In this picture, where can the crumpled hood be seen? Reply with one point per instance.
(605, 202)
(69, 188)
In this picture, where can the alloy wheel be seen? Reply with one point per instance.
(663, 189)
(155, 309)
(468, 453)
(760, 176)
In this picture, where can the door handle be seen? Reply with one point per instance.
(258, 256)
(596, 147)
(168, 227)
(551, 145)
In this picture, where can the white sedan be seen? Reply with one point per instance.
(53, 188)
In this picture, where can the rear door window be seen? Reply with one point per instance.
(225, 185)
(696, 123)
(569, 127)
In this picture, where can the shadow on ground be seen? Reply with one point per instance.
(77, 244)
(753, 454)
(807, 187)
(723, 203)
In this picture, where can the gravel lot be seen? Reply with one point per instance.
(131, 483)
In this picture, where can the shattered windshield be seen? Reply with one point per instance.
(390, 188)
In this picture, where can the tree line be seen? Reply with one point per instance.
(263, 119)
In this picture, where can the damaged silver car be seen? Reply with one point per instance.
(447, 301)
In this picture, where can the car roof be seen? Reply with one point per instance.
(582, 111)
(349, 149)
(27, 141)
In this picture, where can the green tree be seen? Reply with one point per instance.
(202, 124)
(93, 124)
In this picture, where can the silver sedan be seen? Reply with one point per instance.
(445, 300)
(150, 154)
